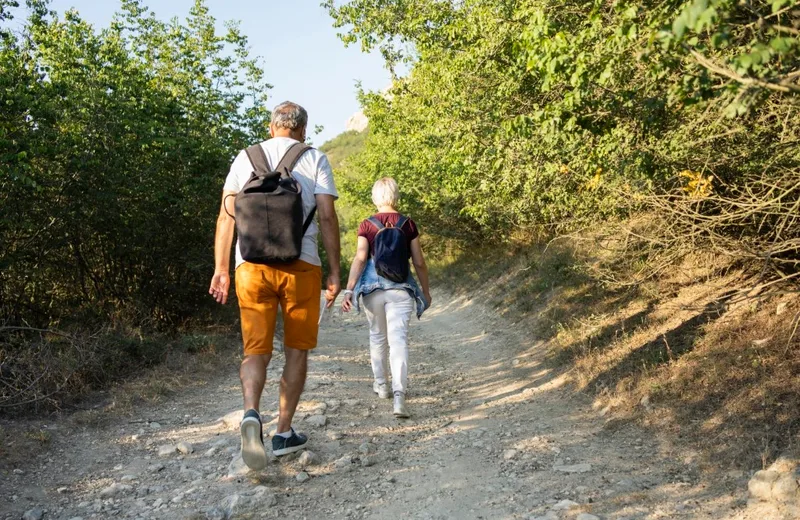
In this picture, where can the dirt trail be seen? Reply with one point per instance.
(494, 434)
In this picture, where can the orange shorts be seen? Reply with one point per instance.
(259, 288)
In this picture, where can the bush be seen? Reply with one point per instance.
(114, 145)
(521, 116)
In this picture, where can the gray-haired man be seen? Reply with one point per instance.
(295, 286)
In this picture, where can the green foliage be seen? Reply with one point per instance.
(523, 114)
(113, 148)
(343, 146)
(351, 209)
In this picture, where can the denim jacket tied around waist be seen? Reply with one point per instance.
(371, 281)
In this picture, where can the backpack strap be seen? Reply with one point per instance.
(289, 161)
(258, 158)
(309, 218)
(292, 155)
(401, 223)
(375, 222)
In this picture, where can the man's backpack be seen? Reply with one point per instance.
(390, 250)
(269, 209)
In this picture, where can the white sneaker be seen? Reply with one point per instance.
(400, 410)
(382, 390)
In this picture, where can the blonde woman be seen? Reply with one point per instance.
(389, 292)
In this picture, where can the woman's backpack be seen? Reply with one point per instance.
(269, 209)
(390, 250)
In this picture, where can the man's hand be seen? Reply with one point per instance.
(334, 287)
(220, 284)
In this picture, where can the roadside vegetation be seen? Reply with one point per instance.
(624, 177)
(114, 144)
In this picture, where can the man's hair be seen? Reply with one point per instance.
(290, 116)
(385, 192)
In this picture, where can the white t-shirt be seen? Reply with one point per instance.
(312, 171)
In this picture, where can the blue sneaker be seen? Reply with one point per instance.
(253, 452)
(281, 446)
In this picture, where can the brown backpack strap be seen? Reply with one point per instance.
(258, 158)
(292, 155)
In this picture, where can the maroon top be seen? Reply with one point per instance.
(368, 230)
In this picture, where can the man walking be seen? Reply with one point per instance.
(294, 285)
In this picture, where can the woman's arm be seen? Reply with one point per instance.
(356, 268)
(421, 268)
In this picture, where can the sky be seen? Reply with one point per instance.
(303, 58)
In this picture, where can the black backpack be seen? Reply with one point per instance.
(269, 209)
(390, 250)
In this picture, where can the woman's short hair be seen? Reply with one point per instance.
(385, 192)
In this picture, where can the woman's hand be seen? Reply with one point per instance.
(427, 295)
(347, 303)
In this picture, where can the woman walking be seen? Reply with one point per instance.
(380, 275)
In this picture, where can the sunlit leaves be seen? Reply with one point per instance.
(113, 147)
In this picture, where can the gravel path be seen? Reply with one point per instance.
(494, 434)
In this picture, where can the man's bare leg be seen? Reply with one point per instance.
(292, 382)
(253, 374)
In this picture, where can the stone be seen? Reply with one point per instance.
(33, 514)
(550, 515)
(780, 309)
(319, 409)
(302, 477)
(232, 419)
(367, 448)
(573, 468)
(509, 454)
(785, 488)
(215, 513)
(307, 458)
(760, 486)
(564, 505)
(264, 496)
(318, 421)
(185, 448)
(165, 451)
(343, 462)
(237, 468)
(368, 460)
(114, 490)
(210, 452)
(587, 516)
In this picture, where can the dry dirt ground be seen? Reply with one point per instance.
(494, 434)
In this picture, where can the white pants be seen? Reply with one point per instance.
(389, 314)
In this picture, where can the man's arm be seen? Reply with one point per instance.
(221, 281)
(329, 226)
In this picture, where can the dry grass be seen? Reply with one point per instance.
(688, 352)
(192, 360)
(46, 371)
(197, 359)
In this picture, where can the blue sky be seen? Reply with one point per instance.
(303, 58)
